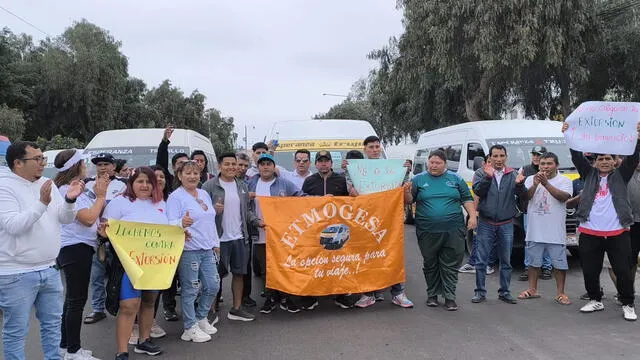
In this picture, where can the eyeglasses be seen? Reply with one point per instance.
(38, 159)
(302, 161)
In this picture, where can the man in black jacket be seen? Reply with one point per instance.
(325, 183)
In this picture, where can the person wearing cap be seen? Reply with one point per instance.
(105, 167)
(269, 184)
(31, 212)
(325, 183)
(258, 149)
(530, 170)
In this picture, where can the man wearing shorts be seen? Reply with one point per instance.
(547, 192)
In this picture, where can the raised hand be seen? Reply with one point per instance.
(187, 220)
(45, 192)
(167, 132)
(520, 179)
(489, 170)
(102, 184)
(75, 189)
(536, 179)
(345, 163)
(543, 178)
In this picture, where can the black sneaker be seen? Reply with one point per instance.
(309, 303)
(585, 296)
(249, 302)
(269, 306)
(122, 356)
(450, 305)
(147, 347)
(240, 315)
(170, 315)
(343, 301)
(290, 306)
(546, 274)
(508, 298)
(524, 276)
(432, 301)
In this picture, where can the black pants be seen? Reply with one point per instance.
(618, 248)
(75, 262)
(246, 283)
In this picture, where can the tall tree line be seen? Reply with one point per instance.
(75, 85)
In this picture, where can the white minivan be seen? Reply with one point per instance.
(465, 145)
(140, 146)
(336, 136)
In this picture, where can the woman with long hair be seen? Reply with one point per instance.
(142, 201)
(197, 264)
(78, 241)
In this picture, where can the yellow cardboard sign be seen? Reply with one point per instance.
(314, 145)
(149, 253)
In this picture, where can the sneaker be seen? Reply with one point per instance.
(365, 301)
(62, 352)
(135, 334)
(629, 313)
(379, 296)
(585, 296)
(215, 320)
(616, 298)
(171, 315)
(477, 298)
(592, 306)
(343, 301)
(467, 269)
(402, 300)
(546, 274)
(80, 355)
(507, 298)
(432, 301)
(450, 305)
(490, 269)
(206, 327)
(249, 302)
(147, 347)
(122, 356)
(157, 331)
(195, 334)
(240, 315)
(524, 276)
(309, 303)
(269, 306)
(289, 305)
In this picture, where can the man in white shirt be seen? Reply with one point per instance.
(547, 192)
(258, 149)
(301, 164)
(31, 212)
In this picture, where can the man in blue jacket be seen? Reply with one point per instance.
(496, 185)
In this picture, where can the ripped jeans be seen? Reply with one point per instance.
(197, 269)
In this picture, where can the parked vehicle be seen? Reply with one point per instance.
(4, 145)
(140, 146)
(467, 144)
(334, 237)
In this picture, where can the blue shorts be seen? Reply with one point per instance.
(557, 253)
(127, 291)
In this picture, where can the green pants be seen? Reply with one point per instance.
(442, 253)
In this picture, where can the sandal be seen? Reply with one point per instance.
(563, 299)
(528, 294)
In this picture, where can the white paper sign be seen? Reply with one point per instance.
(604, 127)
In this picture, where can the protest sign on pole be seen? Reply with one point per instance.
(149, 253)
(374, 175)
(334, 245)
(603, 127)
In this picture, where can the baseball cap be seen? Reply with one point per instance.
(539, 150)
(268, 157)
(103, 157)
(323, 154)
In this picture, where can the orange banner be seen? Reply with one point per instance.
(334, 245)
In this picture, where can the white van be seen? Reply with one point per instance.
(466, 144)
(140, 146)
(335, 136)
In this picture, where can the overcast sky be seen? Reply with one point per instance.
(256, 60)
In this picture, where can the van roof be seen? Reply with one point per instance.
(319, 129)
(491, 129)
(148, 138)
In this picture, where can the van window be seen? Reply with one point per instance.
(453, 156)
(473, 150)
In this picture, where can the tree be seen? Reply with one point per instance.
(11, 122)
(220, 131)
(59, 142)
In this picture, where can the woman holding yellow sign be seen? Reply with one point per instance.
(197, 264)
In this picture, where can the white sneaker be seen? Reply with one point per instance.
(629, 313)
(195, 334)
(135, 334)
(63, 352)
(215, 321)
(206, 327)
(467, 269)
(592, 306)
(490, 270)
(157, 331)
(80, 355)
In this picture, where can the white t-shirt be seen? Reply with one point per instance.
(263, 188)
(546, 215)
(76, 232)
(121, 208)
(294, 177)
(231, 217)
(603, 216)
(115, 188)
(204, 235)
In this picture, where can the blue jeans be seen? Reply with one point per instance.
(546, 259)
(396, 290)
(19, 293)
(502, 235)
(98, 283)
(493, 255)
(196, 268)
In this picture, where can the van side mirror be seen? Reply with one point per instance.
(478, 162)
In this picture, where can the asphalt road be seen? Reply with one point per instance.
(531, 329)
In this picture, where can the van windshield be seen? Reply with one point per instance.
(519, 150)
(135, 156)
(285, 159)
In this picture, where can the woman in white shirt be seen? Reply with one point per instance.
(78, 243)
(197, 264)
(143, 202)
